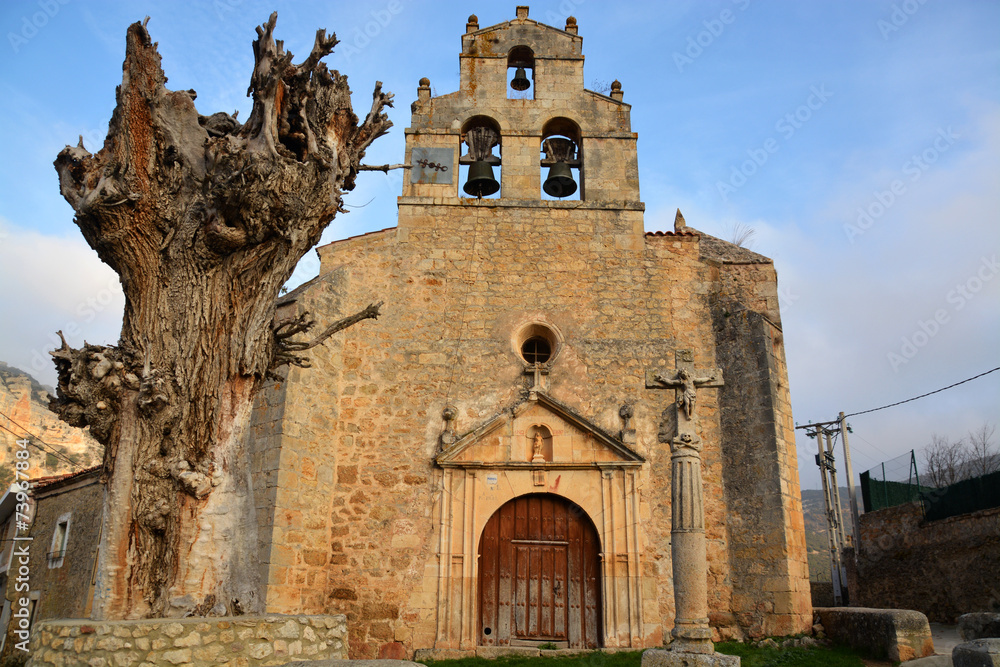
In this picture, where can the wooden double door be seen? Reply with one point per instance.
(539, 575)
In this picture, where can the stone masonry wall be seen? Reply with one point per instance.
(941, 568)
(761, 471)
(241, 641)
(64, 583)
(264, 435)
(382, 568)
(370, 407)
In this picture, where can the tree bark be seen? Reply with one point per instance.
(204, 220)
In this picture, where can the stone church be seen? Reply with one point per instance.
(488, 463)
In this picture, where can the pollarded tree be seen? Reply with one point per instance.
(203, 219)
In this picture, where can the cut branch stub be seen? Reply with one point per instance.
(92, 383)
(286, 348)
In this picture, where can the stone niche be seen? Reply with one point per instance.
(242, 640)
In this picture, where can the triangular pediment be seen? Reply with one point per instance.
(538, 432)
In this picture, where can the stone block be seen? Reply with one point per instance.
(981, 625)
(193, 639)
(894, 634)
(172, 629)
(499, 651)
(178, 657)
(208, 653)
(656, 657)
(977, 653)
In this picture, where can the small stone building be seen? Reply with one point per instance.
(488, 463)
(64, 534)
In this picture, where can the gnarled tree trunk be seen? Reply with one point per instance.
(204, 220)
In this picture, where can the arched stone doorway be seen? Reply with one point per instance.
(539, 575)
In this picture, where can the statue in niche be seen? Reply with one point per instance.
(536, 447)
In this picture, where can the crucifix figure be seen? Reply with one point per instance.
(687, 382)
(692, 634)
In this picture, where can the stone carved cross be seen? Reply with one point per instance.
(686, 380)
(692, 634)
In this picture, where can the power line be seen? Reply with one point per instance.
(42, 446)
(870, 444)
(31, 441)
(892, 405)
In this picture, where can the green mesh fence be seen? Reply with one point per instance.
(971, 495)
(894, 482)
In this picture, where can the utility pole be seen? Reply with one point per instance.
(851, 494)
(835, 536)
(838, 515)
(831, 521)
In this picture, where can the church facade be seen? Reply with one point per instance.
(488, 463)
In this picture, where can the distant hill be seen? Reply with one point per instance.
(817, 541)
(23, 410)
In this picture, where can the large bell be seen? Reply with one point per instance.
(560, 182)
(481, 182)
(520, 80)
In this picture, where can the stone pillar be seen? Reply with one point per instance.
(687, 551)
(692, 645)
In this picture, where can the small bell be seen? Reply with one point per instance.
(560, 182)
(481, 182)
(520, 80)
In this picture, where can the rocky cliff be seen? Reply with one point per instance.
(56, 448)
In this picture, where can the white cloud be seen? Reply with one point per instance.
(53, 283)
(865, 300)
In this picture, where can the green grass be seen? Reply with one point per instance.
(596, 659)
(750, 656)
(793, 656)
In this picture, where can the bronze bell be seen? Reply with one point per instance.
(520, 80)
(481, 182)
(560, 182)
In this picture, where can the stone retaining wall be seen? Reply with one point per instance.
(244, 641)
(941, 568)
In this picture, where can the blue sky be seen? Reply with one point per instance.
(860, 140)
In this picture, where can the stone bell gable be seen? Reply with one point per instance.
(604, 163)
(489, 463)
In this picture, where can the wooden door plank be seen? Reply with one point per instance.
(592, 600)
(534, 518)
(546, 603)
(505, 576)
(488, 571)
(520, 591)
(576, 594)
(534, 590)
(560, 591)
